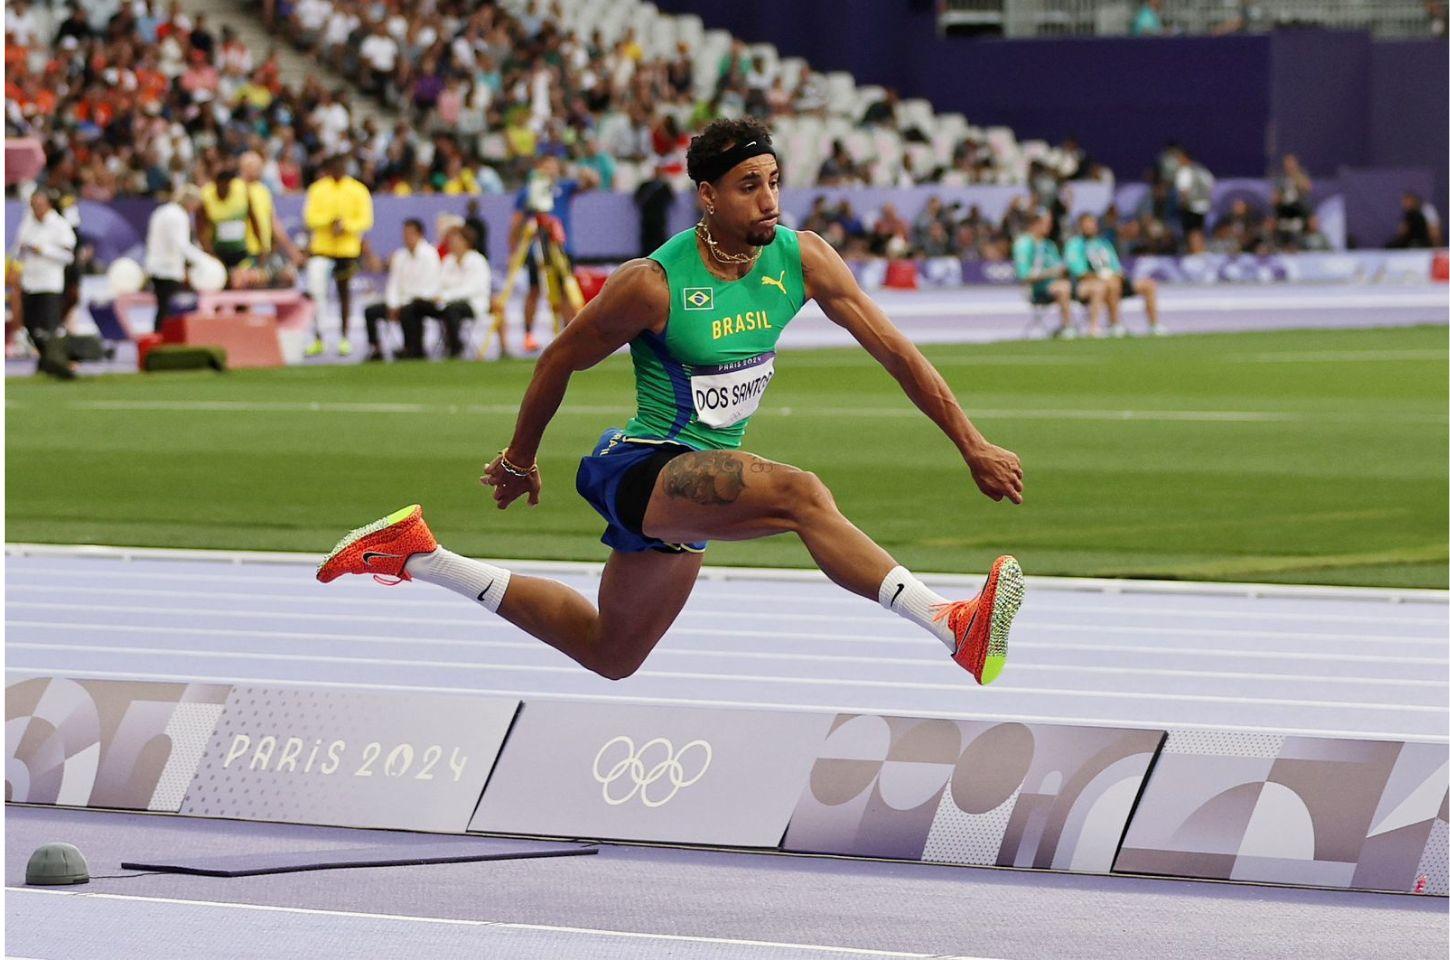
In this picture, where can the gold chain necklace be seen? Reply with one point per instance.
(704, 234)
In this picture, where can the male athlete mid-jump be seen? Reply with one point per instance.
(701, 316)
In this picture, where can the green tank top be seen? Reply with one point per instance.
(699, 383)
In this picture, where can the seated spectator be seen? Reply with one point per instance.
(845, 215)
(1089, 255)
(1313, 240)
(379, 53)
(309, 19)
(1244, 226)
(932, 213)
(838, 169)
(410, 294)
(1414, 229)
(464, 283)
(811, 93)
(1148, 22)
(593, 157)
(680, 73)
(889, 234)
(1223, 240)
(669, 144)
(778, 101)
(1039, 265)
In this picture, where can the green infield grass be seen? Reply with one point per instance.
(1308, 457)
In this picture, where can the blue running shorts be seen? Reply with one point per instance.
(609, 468)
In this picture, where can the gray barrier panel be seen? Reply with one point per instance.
(1313, 811)
(130, 745)
(350, 758)
(668, 774)
(1050, 796)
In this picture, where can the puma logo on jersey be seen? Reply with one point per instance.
(774, 282)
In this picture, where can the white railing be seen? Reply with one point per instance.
(1046, 18)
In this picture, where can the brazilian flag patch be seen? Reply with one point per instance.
(699, 298)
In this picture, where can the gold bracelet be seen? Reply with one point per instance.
(514, 470)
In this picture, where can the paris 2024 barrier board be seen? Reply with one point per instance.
(1216, 805)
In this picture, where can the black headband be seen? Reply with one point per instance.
(717, 166)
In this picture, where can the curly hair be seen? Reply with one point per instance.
(720, 136)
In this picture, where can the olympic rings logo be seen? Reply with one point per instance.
(654, 763)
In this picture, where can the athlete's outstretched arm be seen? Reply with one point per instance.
(829, 282)
(634, 299)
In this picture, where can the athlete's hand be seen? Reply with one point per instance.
(998, 472)
(506, 487)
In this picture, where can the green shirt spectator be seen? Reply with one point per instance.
(1148, 23)
(1038, 263)
(1035, 259)
(600, 162)
(1086, 255)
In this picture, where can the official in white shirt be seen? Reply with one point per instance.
(463, 288)
(410, 292)
(169, 247)
(46, 245)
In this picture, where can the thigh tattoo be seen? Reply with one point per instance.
(709, 479)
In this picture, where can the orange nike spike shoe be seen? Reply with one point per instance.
(381, 548)
(980, 625)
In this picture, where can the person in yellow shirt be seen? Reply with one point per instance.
(264, 231)
(228, 216)
(338, 211)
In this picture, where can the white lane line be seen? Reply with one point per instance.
(932, 662)
(499, 924)
(1066, 413)
(493, 624)
(1115, 587)
(702, 604)
(1216, 652)
(790, 705)
(995, 690)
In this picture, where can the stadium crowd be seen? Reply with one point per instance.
(132, 100)
(137, 98)
(146, 98)
(1174, 220)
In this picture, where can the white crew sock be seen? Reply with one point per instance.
(906, 596)
(478, 581)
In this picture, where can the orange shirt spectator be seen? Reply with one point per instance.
(151, 85)
(97, 108)
(15, 58)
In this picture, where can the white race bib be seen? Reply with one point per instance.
(231, 231)
(726, 394)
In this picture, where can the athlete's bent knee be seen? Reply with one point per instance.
(806, 496)
(616, 668)
(612, 659)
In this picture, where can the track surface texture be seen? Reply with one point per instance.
(1314, 660)
(635, 903)
(1304, 660)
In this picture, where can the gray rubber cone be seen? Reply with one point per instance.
(55, 864)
